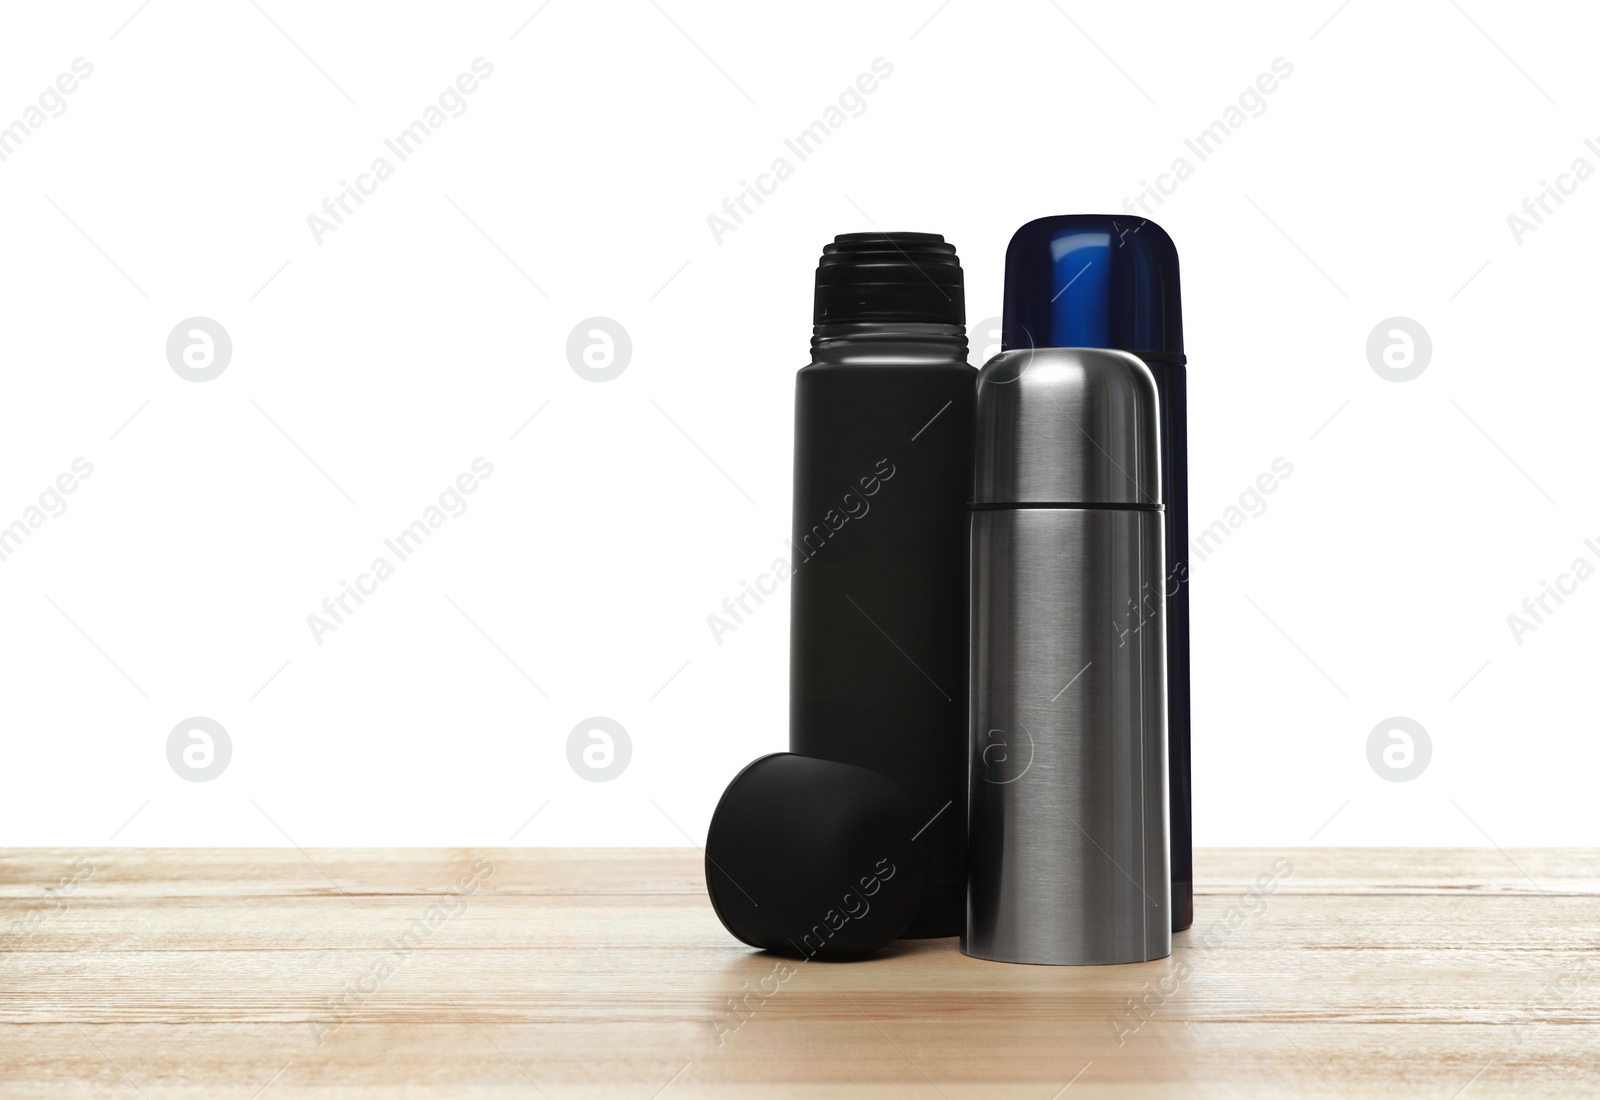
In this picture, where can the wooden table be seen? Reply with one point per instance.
(1448, 973)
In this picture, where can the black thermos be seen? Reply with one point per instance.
(882, 477)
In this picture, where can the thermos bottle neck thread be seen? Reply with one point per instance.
(887, 341)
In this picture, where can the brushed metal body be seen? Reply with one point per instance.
(1067, 817)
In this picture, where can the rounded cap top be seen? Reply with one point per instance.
(904, 277)
(1067, 426)
(814, 858)
(1093, 281)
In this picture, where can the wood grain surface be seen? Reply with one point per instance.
(572, 973)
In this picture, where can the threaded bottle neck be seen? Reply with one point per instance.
(891, 278)
(888, 342)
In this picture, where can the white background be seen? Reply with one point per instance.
(425, 331)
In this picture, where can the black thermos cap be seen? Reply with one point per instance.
(814, 858)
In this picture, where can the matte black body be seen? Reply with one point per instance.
(878, 650)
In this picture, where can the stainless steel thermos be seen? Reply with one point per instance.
(1067, 800)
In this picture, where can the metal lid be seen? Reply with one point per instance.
(1067, 426)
